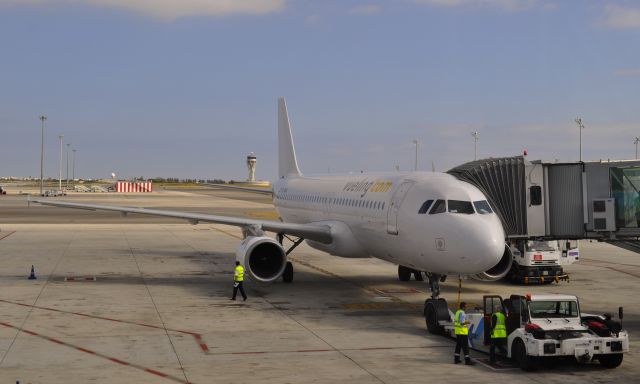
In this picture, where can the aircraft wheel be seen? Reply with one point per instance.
(404, 273)
(431, 319)
(287, 275)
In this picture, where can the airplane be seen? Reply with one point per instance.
(420, 221)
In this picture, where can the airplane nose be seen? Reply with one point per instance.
(485, 246)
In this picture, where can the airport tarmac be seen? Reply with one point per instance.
(146, 300)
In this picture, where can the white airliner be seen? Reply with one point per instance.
(421, 221)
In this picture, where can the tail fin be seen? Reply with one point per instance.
(287, 163)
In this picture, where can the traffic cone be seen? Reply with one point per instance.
(32, 276)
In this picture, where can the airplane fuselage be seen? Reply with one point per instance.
(389, 216)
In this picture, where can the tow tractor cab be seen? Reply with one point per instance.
(541, 261)
(541, 327)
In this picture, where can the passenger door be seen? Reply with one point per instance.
(491, 303)
(394, 206)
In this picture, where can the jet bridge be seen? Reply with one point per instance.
(583, 200)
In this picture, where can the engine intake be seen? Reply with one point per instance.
(499, 270)
(262, 257)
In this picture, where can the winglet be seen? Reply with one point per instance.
(287, 163)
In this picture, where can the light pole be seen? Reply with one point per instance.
(636, 141)
(68, 144)
(43, 118)
(475, 135)
(60, 175)
(415, 166)
(73, 162)
(580, 127)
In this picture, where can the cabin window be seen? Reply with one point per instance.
(459, 206)
(440, 206)
(425, 207)
(482, 207)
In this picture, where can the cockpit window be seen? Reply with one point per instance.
(425, 207)
(439, 207)
(459, 206)
(482, 207)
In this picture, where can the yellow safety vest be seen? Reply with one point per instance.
(459, 328)
(500, 330)
(238, 276)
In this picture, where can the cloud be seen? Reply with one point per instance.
(366, 9)
(170, 9)
(628, 72)
(507, 5)
(617, 17)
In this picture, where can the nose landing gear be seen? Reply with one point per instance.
(436, 309)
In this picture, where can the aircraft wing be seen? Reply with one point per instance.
(320, 233)
(244, 189)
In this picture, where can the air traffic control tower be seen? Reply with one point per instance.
(583, 200)
(252, 162)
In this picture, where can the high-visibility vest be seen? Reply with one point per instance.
(458, 327)
(500, 330)
(238, 276)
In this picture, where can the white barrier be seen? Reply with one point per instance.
(131, 187)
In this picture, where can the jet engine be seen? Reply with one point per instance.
(262, 257)
(499, 270)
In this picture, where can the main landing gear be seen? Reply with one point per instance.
(287, 275)
(435, 308)
(404, 274)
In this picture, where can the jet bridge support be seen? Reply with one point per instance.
(554, 201)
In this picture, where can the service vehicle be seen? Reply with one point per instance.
(53, 193)
(541, 261)
(540, 327)
(3, 191)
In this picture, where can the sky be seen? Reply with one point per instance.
(187, 88)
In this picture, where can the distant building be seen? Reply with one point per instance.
(251, 164)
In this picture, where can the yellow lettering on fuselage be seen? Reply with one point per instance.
(365, 186)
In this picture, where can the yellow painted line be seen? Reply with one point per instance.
(269, 215)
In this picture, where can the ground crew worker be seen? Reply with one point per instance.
(498, 334)
(461, 329)
(238, 278)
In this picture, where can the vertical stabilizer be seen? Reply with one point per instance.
(287, 163)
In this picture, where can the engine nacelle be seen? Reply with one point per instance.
(262, 257)
(499, 270)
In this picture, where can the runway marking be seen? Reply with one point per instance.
(328, 350)
(2, 237)
(98, 354)
(197, 337)
(80, 278)
(602, 264)
(227, 233)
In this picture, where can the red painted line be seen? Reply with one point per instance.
(118, 361)
(314, 350)
(113, 359)
(247, 353)
(7, 235)
(153, 371)
(198, 338)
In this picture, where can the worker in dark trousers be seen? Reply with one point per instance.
(238, 278)
(498, 334)
(461, 329)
